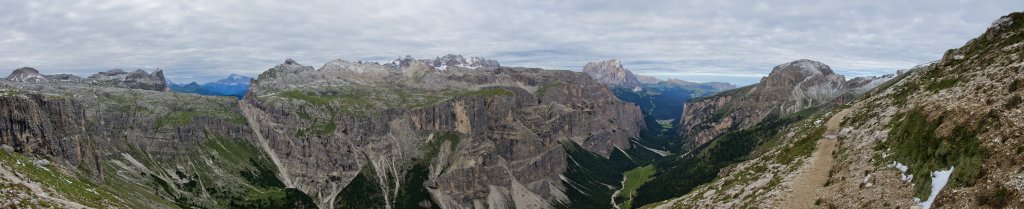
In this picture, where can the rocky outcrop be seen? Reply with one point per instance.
(288, 67)
(498, 130)
(26, 74)
(789, 88)
(612, 73)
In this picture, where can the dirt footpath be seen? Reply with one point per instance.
(809, 183)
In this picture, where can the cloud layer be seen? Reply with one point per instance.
(736, 41)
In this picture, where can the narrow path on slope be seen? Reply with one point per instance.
(809, 183)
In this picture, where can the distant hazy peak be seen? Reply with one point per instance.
(236, 76)
(234, 79)
(611, 72)
(646, 79)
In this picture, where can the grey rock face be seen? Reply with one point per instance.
(44, 126)
(789, 88)
(611, 72)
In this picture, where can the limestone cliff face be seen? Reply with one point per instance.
(118, 136)
(347, 117)
(45, 126)
(789, 88)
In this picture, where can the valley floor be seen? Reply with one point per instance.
(631, 181)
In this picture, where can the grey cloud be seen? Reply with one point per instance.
(736, 41)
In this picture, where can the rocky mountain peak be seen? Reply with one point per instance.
(800, 84)
(288, 67)
(789, 88)
(26, 74)
(236, 76)
(805, 67)
(611, 72)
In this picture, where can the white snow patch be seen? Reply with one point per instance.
(662, 153)
(939, 180)
(624, 152)
(903, 171)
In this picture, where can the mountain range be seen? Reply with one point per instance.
(452, 132)
(234, 85)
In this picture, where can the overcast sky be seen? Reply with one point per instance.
(734, 41)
